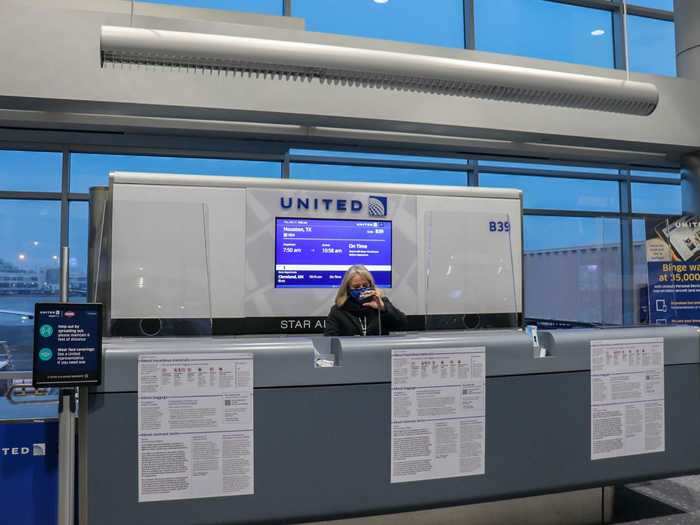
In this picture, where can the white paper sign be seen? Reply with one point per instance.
(195, 426)
(438, 413)
(627, 397)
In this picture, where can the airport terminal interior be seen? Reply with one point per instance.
(349, 262)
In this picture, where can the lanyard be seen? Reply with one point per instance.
(363, 325)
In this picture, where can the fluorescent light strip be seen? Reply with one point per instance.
(375, 69)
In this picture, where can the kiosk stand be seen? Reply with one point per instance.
(66, 428)
(67, 354)
(66, 456)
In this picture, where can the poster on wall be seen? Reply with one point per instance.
(673, 269)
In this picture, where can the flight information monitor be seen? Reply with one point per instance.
(315, 253)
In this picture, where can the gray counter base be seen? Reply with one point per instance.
(579, 507)
(322, 452)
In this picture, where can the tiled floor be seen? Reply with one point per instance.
(674, 501)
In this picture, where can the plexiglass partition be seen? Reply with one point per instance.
(160, 270)
(470, 276)
(572, 271)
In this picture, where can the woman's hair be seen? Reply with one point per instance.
(357, 269)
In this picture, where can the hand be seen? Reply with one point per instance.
(376, 301)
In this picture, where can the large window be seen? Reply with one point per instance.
(652, 46)
(376, 156)
(489, 164)
(574, 217)
(30, 233)
(29, 273)
(438, 23)
(561, 30)
(558, 193)
(30, 171)
(78, 243)
(376, 174)
(29, 254)
(572, 269)
(89, 169)
(543, 29)
(656, 198)
(377, 167)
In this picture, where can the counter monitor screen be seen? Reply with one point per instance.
(315, 253)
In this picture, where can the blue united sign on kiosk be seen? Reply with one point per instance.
(67, 344)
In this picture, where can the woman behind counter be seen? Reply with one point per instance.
(361, 309)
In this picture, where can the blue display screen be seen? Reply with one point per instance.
(315, 253)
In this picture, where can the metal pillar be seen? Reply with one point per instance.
(66, 429)
(690, 183)
(687, 20)
(66, 456)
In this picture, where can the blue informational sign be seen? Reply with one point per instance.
(673, 268)
(315, 253)
(67, 344)
(29, 473)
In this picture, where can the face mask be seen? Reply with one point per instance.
(355, 293)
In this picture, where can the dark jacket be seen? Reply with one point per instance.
(348, 319)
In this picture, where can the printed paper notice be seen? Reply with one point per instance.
(627, 397)
(195, 426)
(438, 413)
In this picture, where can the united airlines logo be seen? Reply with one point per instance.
(377, 206)
(37, 449)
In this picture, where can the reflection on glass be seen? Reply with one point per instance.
(572, 268)
(656, 198)
(462, 279)
(543, 29)
(19, 401)
(89, 169)
(555, 193)
(435, 23)
(30, 171)
(269, 7)
(366, 174)
(163, 275)
(78, 243)
(29, 273)
(652, 46)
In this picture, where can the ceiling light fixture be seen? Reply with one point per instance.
(598, 32)
(375, 69)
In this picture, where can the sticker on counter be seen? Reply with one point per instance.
(627, 397)
(438, 413)
(195, 427)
